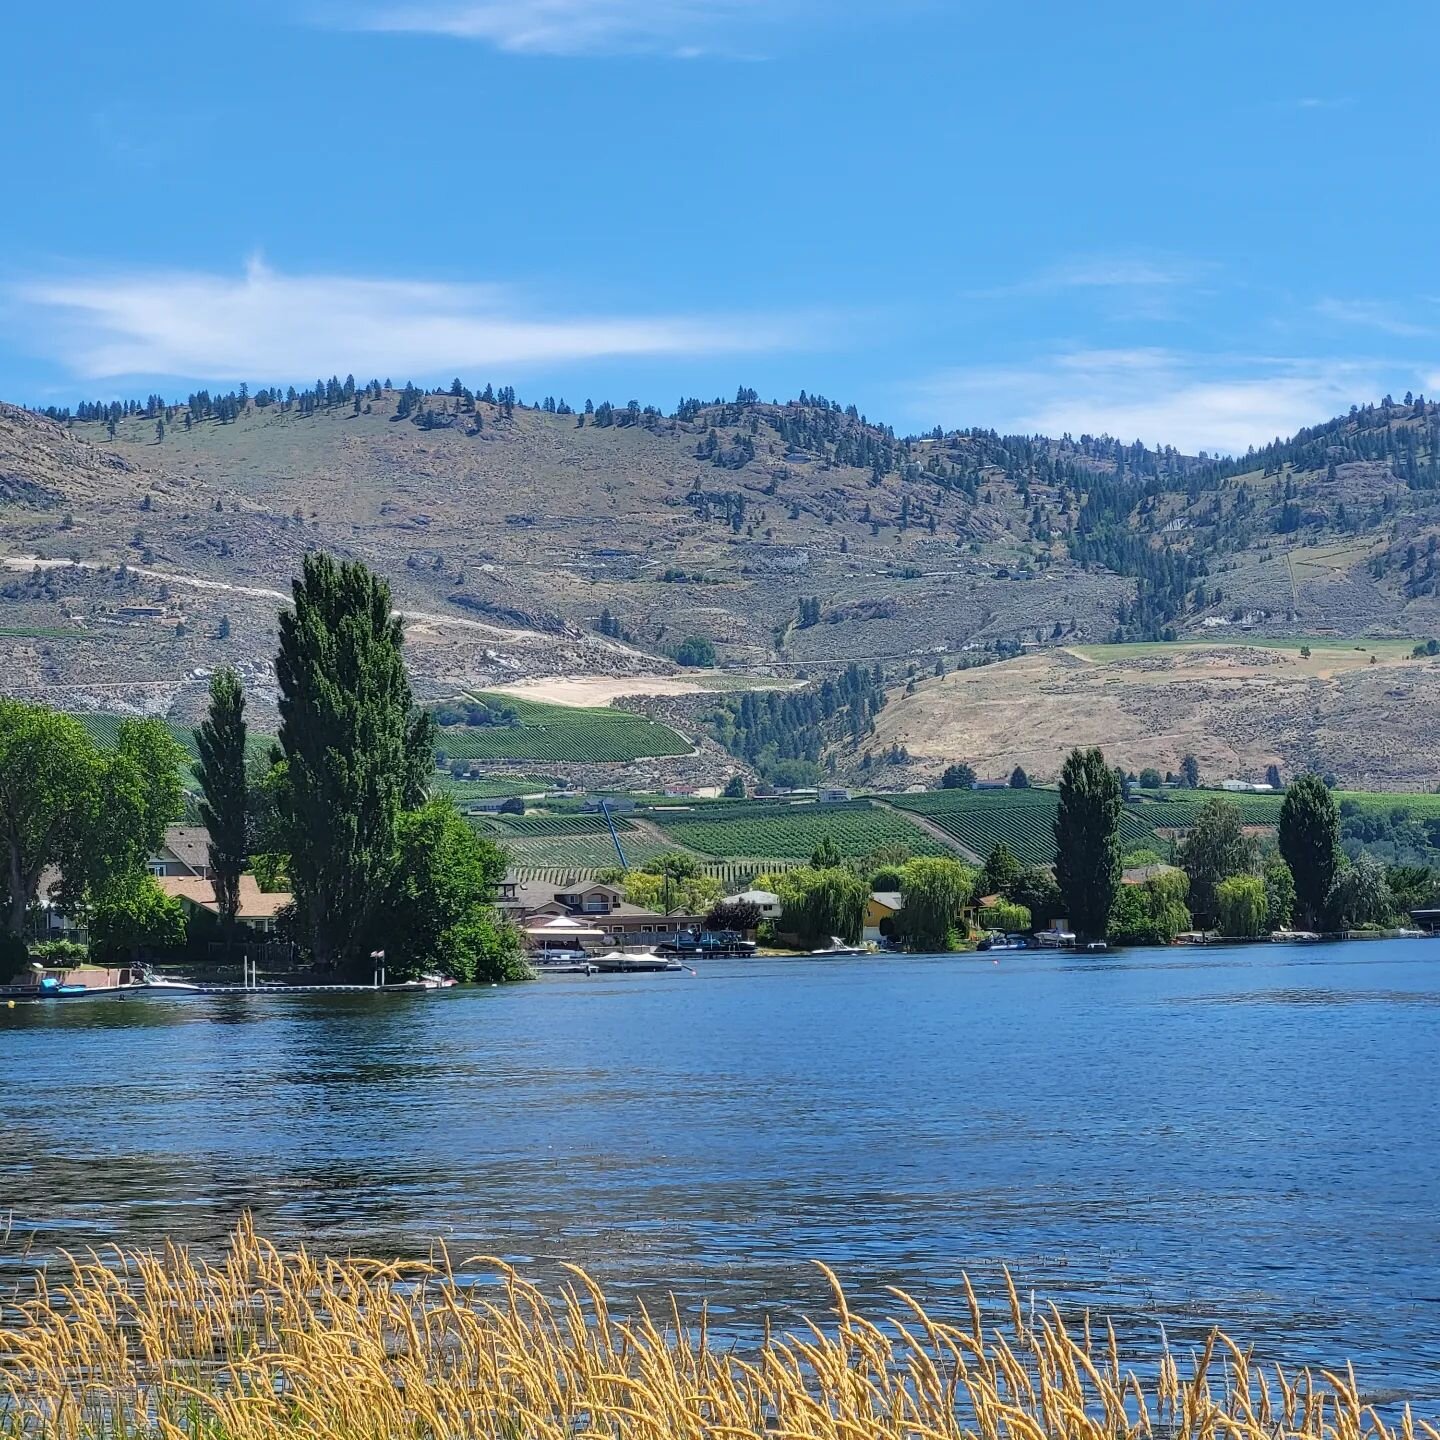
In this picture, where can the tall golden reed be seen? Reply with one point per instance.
(135, 1345)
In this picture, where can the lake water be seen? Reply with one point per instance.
(1249, 1136)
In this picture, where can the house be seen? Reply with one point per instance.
(258, 910)
(615, 804)
(767, 902)
(1247, 787)
(185, 851)
(833, 794)
(599, 907)
(880, 911)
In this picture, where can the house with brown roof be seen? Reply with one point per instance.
(259, 909)
(599, 906)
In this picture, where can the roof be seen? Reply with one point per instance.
(1139, 874)
(890, 899)
(255, 903)
(753, 897)
(565, 925)
(190, 845)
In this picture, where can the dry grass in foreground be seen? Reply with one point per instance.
(265, 1344)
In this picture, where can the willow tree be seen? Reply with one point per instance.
(1087, 839)
(224, 794)
(357, 752)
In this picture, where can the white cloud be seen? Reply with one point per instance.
(264, 325)
(1220, 404)
(1378, 315)
(681, 28)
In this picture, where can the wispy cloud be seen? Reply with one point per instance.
(681, 28)
(1218, 404)
(264, 324)
(1132, 273)
(1319, 102)
(1423, 319)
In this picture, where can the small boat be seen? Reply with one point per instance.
(1055, 939)
(837, 947)
(565, 965)
(1003, 942)
(1406, 934)
(1194, 937)
(639, 962)
(1295, 937)
(1095, 946)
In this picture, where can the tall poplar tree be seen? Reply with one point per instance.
(1087, 836)
(1310, 843)
(357, 752)
(220, 741)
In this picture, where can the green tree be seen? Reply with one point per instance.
(1413, 886)
(1310, 843)
(1190, 772)
(1035, 888)
(224, 790)
(357, 752)
(958, 777)
(1149, 778)
(132, 915)
(695, 650)
(50, 773)
(826, 855)
(689, 893)
(1242, 906)
(735, 787)
(1019, 780)
(139, 795)
(1361, 895)
(819, 904)
(1000, 872)
(1216, 848)
(935, 892)
(1279, 894)
(438, 910)
(1151, 913)
(1087, 829)
(1012, 919)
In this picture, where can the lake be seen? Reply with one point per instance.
(1250, 1136)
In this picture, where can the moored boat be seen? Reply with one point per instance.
(1295, 937)
(639, 962)
(837, 947)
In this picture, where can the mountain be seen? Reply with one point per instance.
(147, 541)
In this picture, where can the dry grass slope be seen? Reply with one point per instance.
(265, 1345)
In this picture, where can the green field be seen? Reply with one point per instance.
(561, 733)
(1023, 819)
(105, 730)
(856, 826)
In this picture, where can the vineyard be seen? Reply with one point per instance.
(561, 733)
(539, 827)
(492, 787)
(733, 875)
(1023, 819)
(856, 826)
(104, 730)
(574, 854)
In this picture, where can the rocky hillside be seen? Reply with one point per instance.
(794, 537)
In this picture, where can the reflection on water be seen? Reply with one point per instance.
(1248, 1135)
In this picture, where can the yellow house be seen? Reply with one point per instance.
(880, 912)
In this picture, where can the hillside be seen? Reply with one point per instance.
(795, 537)
(1365, 710)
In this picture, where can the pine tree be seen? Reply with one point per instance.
(1087, 825)
(357, 751)
(220, 741)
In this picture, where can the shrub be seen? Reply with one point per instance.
(695, 650)
(1008, 917)
(958, 777)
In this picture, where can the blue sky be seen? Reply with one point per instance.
(1190, 223)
